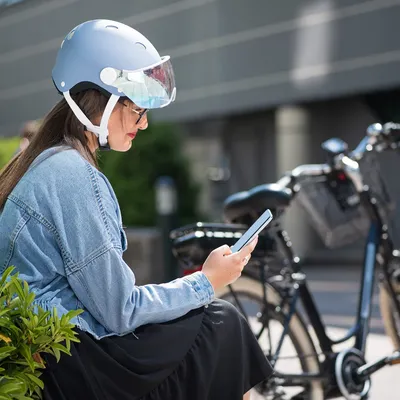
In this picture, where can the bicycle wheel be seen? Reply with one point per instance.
(390, 317)
(301, 356)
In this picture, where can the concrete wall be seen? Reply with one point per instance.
(143, 255)
(229, 55)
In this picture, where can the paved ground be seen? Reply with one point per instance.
(336, 293)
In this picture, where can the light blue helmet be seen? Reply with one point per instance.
(115, 58)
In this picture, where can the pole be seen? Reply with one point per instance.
(166, 207)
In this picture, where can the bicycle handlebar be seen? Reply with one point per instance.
(378, 138)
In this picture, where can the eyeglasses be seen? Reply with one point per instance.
(139, 113)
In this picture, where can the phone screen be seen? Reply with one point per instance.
(254, 230)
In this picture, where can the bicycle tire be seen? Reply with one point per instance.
(297, 327)
(391, 320)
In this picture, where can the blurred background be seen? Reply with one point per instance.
(260, 85)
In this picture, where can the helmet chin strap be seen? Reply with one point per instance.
(100, 131)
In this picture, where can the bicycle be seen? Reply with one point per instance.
(324, 373)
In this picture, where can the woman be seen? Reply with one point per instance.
(61, 227)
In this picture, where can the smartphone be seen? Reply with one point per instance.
(253, 231)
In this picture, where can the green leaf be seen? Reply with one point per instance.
(29, 312)
(12, 387)
(18, 287)
(60, 347)
(30, 298)
(16, 302)
(42, 339)
(73, 313)
(57, 354)
(5, 275)
(26, 288)
(39, 366)
(26, 353)
(56, 320)
(74, 339)
(18, 362)
(70, 332)
(5, 322)
(27, 322)
(6, 350)
(36, 380)
(5, 311)
(39, 331)
(38, 392)
(42, 315)
(15, 330)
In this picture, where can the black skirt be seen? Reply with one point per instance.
(208, 354)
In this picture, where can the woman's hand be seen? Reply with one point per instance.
(222, 267)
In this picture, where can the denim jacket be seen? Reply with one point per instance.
(61, 228)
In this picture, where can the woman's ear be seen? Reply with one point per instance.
(92, 141)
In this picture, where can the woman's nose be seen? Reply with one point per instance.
(143, 123)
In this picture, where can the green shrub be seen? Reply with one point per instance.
(156, 151)
(8, 147)
(26, 332)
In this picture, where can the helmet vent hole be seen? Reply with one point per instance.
(141, 44)
(112, 26)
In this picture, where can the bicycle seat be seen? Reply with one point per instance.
(256, 200)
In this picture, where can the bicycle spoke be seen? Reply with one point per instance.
(265, 308)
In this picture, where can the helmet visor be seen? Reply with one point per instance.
(153, 87)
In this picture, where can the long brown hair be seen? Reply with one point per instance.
(59, 127)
